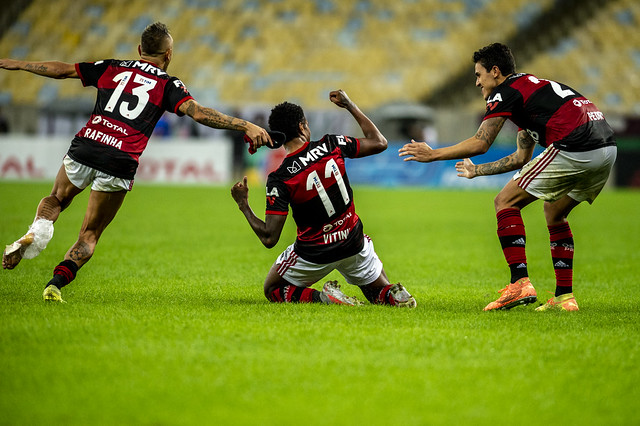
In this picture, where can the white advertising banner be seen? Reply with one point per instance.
(167, 160)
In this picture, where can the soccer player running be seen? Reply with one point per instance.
(132, 96)
(580, 150)
(313, 180)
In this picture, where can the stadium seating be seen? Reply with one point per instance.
(600, 59)
(239, 52)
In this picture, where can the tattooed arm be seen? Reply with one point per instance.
(524, 152)
(53, 69)
(476, 145)
(212, 118)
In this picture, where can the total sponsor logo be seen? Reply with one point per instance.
(98, 119)
(581, 102)
(332, 237)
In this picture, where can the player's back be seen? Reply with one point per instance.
(313, 181)
(132, 96)
(551, 112)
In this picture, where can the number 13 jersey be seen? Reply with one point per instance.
(132, 96)
(314, 182)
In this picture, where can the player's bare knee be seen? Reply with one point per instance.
(499, 202)
(553, 216)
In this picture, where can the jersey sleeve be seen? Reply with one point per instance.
(176, 94)
(502, 102)
(278, 198)
(348, 145)
(90, 72)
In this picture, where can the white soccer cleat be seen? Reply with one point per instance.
(402, 297)
(332, 295)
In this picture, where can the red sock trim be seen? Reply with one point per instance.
(276, 295)
(561, 240)
(512, 235)
(384, 298)
(65, 272)
(307, 295)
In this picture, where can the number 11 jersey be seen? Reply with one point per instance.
(132, 96)
(314, 182)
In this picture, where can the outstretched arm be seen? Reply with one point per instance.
(373, 141)
(524, 152)
(217, 120)
(53, 69)
(476, 145)
(268, 231)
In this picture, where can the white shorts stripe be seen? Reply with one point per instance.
(538, 167)
(287, 263)
(555, 173)
(360, 269)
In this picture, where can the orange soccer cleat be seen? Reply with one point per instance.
(519, 293)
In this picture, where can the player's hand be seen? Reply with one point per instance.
(240, 192)
(416, 151)
(9, 64)
(340, 98)
(466, 168)
(259, 136)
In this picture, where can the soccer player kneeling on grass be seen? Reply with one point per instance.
(313, 180)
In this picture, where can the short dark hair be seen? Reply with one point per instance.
(286, 118)
(154, 38)
(497, 54)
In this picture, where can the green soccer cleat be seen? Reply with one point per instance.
(52, 294)
(564, 302)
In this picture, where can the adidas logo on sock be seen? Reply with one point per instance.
(520, 241)
(522, 265)
(560, 264)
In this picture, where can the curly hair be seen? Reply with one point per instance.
(496, 54)
(153, 41)
(285, 118)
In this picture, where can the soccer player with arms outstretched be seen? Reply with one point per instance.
(312, 180)
(132, 96)
(580, 151)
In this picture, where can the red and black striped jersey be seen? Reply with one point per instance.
(132, 96)
(551, 112)
(314, 182)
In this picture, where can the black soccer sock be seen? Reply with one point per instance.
(64, 273)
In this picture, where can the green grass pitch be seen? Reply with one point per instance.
(167, 324)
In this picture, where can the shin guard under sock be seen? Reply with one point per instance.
(561, 240)
(513, 240)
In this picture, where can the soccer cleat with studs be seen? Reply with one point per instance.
(401, 297)
(52, 294)
(332, 295)
(564, 302)
(519, 293)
